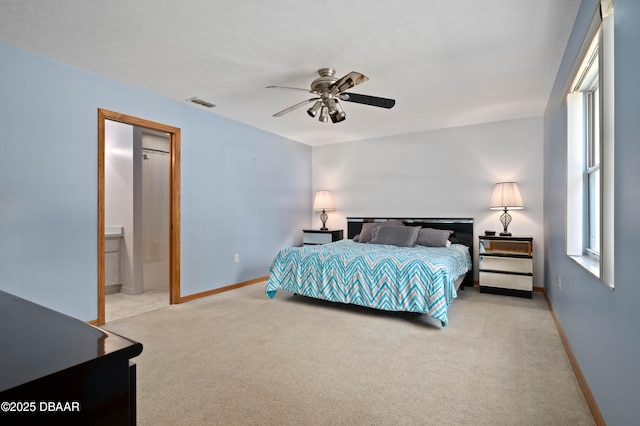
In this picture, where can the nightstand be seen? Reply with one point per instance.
(313, 237)
(506, 265)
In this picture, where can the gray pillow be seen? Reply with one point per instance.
(402, 236)
(434, 237)
(366, 233)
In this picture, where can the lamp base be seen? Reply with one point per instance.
(505, 219)
(323, 218)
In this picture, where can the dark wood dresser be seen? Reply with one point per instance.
(55, 369)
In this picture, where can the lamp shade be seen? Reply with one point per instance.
(506, 195)
(324, 201)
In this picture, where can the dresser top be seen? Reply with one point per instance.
(506, 238)
(38, 341)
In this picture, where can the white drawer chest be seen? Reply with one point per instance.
(506, 265)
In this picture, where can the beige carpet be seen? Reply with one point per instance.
(239, 358)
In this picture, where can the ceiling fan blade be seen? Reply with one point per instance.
(348, 81)
(291, 108)
(368, 100)
(290, 88)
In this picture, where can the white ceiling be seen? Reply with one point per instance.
(446, 63)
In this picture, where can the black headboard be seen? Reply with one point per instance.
(462, 231)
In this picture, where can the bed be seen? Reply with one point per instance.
(381, 265)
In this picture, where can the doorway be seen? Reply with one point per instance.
(173, 135)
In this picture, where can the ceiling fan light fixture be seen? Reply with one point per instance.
(338, 117)
(328, 91)
(331, 104)
(324, 114)
(313, 111)
(348, 84)
(337, 114)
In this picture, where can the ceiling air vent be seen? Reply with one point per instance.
(201, 102)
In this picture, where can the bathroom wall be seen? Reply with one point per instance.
(119, 197)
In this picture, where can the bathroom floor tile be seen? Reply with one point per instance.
(121, 305)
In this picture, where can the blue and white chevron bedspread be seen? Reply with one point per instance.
(415, 279)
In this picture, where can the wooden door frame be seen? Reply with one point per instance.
(174, 202)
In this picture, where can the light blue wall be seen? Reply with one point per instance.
(243, 190)
(602, 326)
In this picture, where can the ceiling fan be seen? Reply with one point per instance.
(329, 90)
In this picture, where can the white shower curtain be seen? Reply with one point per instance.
(155, 206)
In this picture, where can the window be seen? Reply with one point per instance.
(589, 103)
(592, 169)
